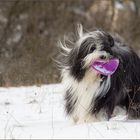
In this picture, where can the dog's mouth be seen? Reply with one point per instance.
(105, 66)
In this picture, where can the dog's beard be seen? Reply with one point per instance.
(90, 58)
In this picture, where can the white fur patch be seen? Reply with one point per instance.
(85, 91)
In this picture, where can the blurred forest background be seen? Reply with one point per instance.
(30, 29)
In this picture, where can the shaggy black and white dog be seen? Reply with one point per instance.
(90, 96)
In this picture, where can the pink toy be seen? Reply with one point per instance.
(106, 67)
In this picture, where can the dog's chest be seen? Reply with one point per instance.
(85, 94)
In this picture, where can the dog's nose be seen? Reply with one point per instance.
(103, 57)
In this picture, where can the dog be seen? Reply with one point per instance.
(89, 95)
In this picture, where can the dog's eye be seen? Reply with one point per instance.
(92, 49)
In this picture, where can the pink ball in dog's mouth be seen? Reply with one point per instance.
(105, 67)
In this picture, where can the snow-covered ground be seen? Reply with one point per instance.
(38, 112)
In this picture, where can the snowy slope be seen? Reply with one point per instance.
(38, 112)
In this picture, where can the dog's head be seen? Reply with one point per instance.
(88, 47)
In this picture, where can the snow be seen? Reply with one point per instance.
(38, 112)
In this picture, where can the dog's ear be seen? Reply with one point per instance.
(80, 30)
(109, 38)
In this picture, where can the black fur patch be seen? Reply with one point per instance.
(76, 63)
(125, 85)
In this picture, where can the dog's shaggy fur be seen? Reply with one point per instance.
(90, 96)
